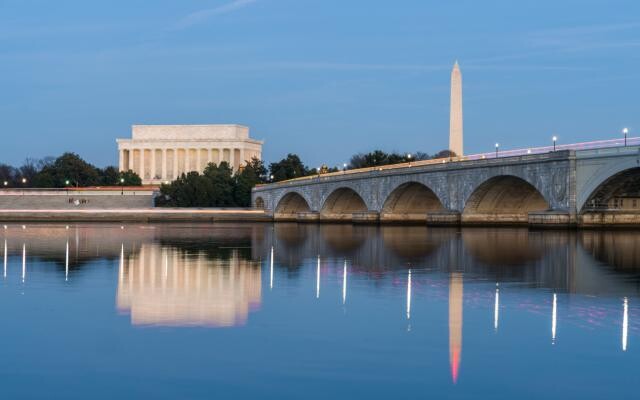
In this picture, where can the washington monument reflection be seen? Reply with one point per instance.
(455, 323)
(164, 286)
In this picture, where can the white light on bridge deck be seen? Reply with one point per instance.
(496, 309)
(553, 318)
(409, 295)
(344, 282)
(318, 279)
(625, 323)
(271, 269)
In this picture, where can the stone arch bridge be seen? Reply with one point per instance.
(569, 187)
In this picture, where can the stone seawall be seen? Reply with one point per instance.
(74, 199)
(135, 215)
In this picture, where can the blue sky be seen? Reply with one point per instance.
(321, 78)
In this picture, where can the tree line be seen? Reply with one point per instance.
(67, 170)
(219, 186)
(292, 167)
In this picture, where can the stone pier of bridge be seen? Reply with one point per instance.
(561, 188)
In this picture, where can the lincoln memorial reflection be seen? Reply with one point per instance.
(211, 276)
(169, 287)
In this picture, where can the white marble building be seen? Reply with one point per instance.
(160, 153)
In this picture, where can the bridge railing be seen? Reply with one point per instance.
(597, 144)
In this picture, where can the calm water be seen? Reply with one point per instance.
(306, 311)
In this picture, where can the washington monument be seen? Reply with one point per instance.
(455, 121)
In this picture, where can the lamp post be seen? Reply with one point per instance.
(625, 132)
(344, 167)
(497, 148)
(555, 138)
(24, 181)
(409, 156)
(6, 183)
(122, 186)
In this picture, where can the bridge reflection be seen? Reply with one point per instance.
(212, 276)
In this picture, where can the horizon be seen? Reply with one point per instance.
(307, 80)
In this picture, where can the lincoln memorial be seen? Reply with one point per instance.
(159, 153)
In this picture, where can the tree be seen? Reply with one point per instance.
(28, 172)
(444, 154)
(69, 167)
(8, 174)
(130, 178)
(250, 175)
(109, 176)
(373, 159)
(288, 168)
(222, 181)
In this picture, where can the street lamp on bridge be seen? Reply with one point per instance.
(497, 148)
(555, 138)
(625, 132)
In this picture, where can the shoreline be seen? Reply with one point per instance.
(135, 215)
(159, 215)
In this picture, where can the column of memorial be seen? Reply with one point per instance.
(164, 164)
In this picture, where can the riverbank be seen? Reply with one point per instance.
(135, 215)
(590, 220)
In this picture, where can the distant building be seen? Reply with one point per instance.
(159, 153)
(455, 121)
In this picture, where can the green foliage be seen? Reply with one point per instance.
(110, 176)
(253, 173)
(67, 170)
(445, 154)
(68, 167)
(130, 178)
(288, 168)
(215, 187)
(379, 157)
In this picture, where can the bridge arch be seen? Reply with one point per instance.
(289, 205)
(503, 199)
(410, 201)
(341, 203)
(620, 190)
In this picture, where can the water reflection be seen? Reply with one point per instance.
(554, 316)
(413, 293)
(455, 323)
(625, 323)
(185, 275)
(496, 309)
(165, 286)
